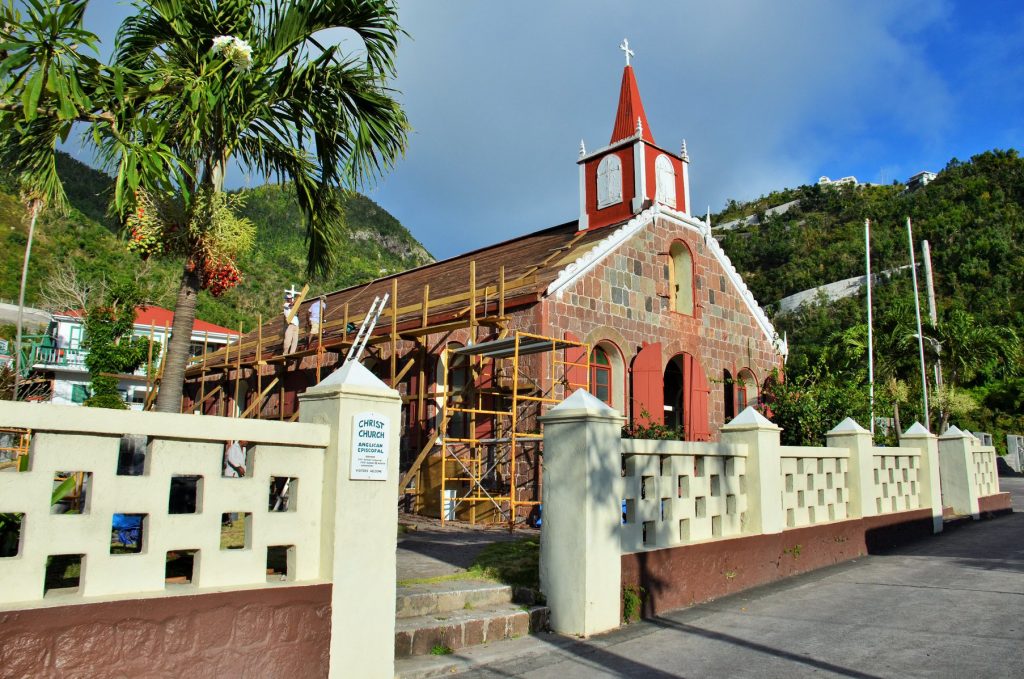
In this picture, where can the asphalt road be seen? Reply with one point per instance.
(949, 606)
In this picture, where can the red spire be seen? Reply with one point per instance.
(630, 108)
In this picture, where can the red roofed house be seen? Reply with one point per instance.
(59, 357)
(675, 336)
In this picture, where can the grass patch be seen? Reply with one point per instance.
(512, 563)
(441, 649)
(463, 575)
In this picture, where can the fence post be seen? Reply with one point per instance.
(360, 516)
(855, 438)
(580, 552)
(764, 470)
(931, 495)
(957, 464)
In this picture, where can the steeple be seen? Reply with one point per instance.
(632, 172)
(631, 108)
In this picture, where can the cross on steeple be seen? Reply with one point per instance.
(625, 48)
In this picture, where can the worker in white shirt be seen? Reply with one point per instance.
(291, 331)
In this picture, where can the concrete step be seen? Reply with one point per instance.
(453, 595)
(454, 630)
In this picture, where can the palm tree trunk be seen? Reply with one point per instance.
(168, 400)
(34, 208)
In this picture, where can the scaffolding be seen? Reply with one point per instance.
(491, 421)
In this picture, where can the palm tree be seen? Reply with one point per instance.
(251, 81)
(196, 84)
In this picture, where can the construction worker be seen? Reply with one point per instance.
(291, 331)
(316, 312)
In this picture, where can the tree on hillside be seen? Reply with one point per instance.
(196, 84)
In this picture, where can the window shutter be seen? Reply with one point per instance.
(576, 366)
(648, 380)
(698, 392)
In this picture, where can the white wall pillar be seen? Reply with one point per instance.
(360, 522)
(931, 495)
(580, 552)
(764, 470)
(956, 461)
(855, 438)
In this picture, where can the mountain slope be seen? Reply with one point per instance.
(373, 243)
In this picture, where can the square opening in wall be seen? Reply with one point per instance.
(716, 485)
(716, 526)
(743, 483)
(284, 493)
(730, 466)
(839, 495)
(811, 515)
(280, 563)
(128, 533)
(625, 461)
(628, 511)
(684, 530)
(730, 504)
(666, 509)
(828, 480)
(683, 486)
(648, 527)
(790, 518)
(800, 465)
(799, 498)
(10, 533)
(789, 483)
(810, 482)
(698, 465)
(182, 567)
(821, 496)
(831, 512)
(186, 495)
(236, 530)
(71, 493)
(646, 487)
(131, 458)
(63, 573)
(700, 507)
(665, 465)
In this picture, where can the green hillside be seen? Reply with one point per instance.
(972, 214)
(88, 239)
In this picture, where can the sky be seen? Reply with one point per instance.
(767, 95)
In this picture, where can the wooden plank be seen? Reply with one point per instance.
(295, 307)
(258, 403)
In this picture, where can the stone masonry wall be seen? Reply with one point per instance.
(624, 300)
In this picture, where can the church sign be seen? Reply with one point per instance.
(370, 432)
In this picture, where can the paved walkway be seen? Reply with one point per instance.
(425, 550)
(950, 606)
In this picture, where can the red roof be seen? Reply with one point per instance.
(630, 108)
(159, 317)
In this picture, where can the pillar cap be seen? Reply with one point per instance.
(847, 427)
(917, 431)
(582, 404)
(750, 419)
(955, 432)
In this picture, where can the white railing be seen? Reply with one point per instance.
(678, 492)
(181, 454)
(815, 485)
(895, 478)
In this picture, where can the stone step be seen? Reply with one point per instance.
(452, 595)
(454, 630)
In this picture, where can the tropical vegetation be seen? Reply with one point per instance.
(192, 87)
(972, 214)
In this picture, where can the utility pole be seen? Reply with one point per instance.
(871, 343)
(920, 335)
(926, 256)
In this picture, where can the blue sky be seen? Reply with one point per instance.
(767, 95)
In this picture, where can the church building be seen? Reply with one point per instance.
(641, 304)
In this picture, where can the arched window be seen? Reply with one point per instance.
(665, 181)
(681, 278)
(609, 181)
(601, 375)
(746, 389)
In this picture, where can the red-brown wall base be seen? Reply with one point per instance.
(274, 632)
(995, 505)
(682, 576)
